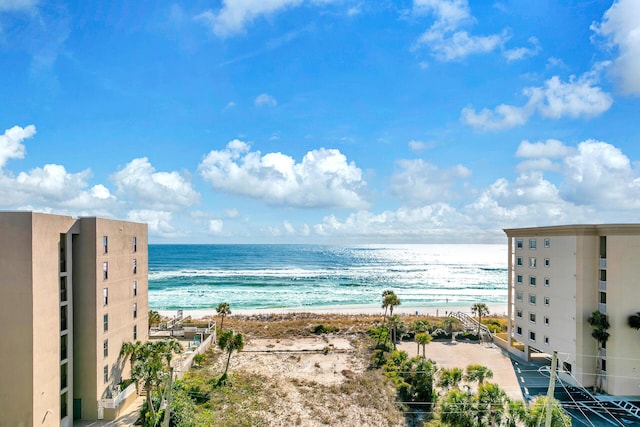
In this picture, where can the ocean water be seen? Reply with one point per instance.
(249, 277)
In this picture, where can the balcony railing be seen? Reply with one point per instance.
(602, 308)
(602, 285)
(603, 263)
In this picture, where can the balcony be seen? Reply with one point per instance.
(603, 263)
(602, 285)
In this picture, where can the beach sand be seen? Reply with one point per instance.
(440, 311)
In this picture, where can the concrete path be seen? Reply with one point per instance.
(128, 418)
(463, 354)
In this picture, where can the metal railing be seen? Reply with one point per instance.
(469, 322)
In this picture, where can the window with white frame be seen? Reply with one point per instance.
(519, 244)
(135, 266)
(105, 270)
(105, 244)
(547, 282)
(546, 301)
(135, 310)
(532, 317)
(547, 262)
(519, 278)
(105, 348)
(518, 330)
(532, 262)
(546, 320)
(546, 340)
(532, 243)
(134, 242)
(105, 323)
(519, 261)
(532, 280)
(532, 299)
(518, 296)
(105, 373)
(532, 335)
(547, 243)
(135, 288)
(105, 296)
(519, 313)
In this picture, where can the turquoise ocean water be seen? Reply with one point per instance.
(249, 277)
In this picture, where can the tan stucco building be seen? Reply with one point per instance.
(560, 275)
(71, 292)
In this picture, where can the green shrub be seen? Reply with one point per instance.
(323, 329)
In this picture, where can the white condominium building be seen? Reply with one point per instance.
(71, 292)
(560, 275)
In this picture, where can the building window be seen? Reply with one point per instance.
(546, 320)
(532, 243)
(519, 313)
(63, 289)
(532, 317)
(135, 332)
(547, 243)
(105, 323)
(105, 296)
(105, 348)
(105, 270)
(547, 262)
(532, 280)
(63, 405)
(135, 266)
(519, 296)
(532, 335)
(519, 278)
(532, 299)
(105, 244)
(518, 330)
(546, 301)
(566, 367)
(519, 244)
(63, 346)
(63, 376)
(519, 261)
(546, 281)
(63, 318)
(604, 364)
(603, 275)
(546, 340)
(135, 310)
(105, 373)
(135, 288)
(532, 262)
(134, 242)
(603, 297)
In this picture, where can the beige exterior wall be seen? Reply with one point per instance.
(31, 306)
(573, 270)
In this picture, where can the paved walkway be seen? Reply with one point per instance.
(128, 418)
(462, 354)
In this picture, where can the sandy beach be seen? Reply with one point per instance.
(497, 309)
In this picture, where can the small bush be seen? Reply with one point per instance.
(466, 335)
(440, 334)
(323, 329)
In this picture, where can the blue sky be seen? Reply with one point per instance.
(322, 121)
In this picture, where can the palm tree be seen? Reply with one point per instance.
(514, 412)
(166, 348)
(147, 370)
(450, 377)
(481, 310)
(229, 342)
(634, 321)
(478, 373)
(537, 413)
(130, 350)
(600, 324)
(423, 339)
(223, 310)
(457, 408)
(391, 301)
(385, 305)
(154, 318)
(491, 402)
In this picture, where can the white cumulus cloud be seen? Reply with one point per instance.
(419, 182)
(445, 38)
(323, 178)
(548, 148)
(11, 146)
(139, 180)
(621, 27)
(215, 226)
(576, 98)
(158, 221)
